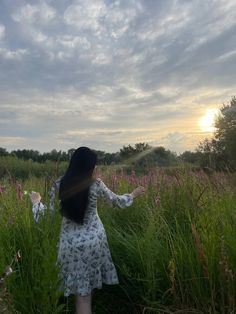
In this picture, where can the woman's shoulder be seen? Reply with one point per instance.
(96, 184)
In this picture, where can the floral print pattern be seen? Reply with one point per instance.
(38, 209)
(83, 252)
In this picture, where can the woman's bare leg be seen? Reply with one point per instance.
(83, 304)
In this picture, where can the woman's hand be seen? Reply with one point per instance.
(138, 191)
(35, 197)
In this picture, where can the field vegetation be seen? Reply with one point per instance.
(174, 248)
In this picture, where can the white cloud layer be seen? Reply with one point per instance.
(108, 73)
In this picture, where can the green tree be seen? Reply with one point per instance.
(190, 157)
(3, 152)
(127, 151)
(226, 131)
(26, 154)
(220, 151)
(130, 151)
(140, 147)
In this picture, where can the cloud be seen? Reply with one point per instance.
(18, 54)
(100, 18)
(11, 142)
(178, 141)
(34, 14)
(2, 31)
(227, 55)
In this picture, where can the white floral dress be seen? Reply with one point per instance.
(83, 252)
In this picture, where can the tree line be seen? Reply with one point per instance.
(140, 153)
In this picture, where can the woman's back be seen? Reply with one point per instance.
(98, 189)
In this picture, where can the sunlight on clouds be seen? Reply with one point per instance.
(98, 118)
(12, 140)
(179, 141)
(206, 122)
(175, 141)
(169, 91)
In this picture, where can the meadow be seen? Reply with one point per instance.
(174, 248)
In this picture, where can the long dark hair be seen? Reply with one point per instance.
(74, 185)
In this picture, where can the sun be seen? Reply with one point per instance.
(206, 122)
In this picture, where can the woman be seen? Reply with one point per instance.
(83, 251)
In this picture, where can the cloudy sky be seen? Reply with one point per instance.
(105, 73)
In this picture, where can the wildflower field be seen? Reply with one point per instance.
(174, 248)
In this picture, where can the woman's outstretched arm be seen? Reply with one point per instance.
(115, 200)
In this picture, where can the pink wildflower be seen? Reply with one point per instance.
(19, 191)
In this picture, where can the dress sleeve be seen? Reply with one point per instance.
(111, 198)
(54, 189)
(38, 209)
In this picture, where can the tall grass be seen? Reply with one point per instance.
(23, 169)
(174, 248)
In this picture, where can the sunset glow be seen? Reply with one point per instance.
(104, 73)
(206, 123)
